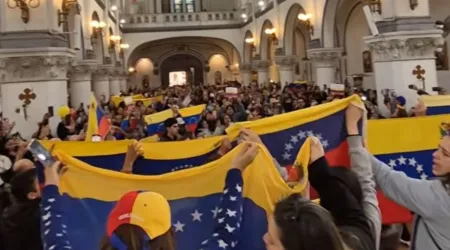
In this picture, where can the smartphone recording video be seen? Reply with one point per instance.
(41, 153)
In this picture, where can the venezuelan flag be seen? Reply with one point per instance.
(98, 123)
(284, 134)
(110, 155)
(437, 104)
(191, 117)
(407, 145)
(90, 194)
(147, 101)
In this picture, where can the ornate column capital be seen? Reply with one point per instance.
(401, 46)
(262, 65)
(246, 68)
(103, 72)
(34, 68)
(325, 57)
(285, 62)
(82, 70)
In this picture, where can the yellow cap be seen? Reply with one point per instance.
(63, 111)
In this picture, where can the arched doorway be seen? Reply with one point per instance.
(182, 62)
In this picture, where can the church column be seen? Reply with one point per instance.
(404, 51)
(262, 67)
(325, 63)
(246, 74)
(123, 83)
(401, 61)
(286, 68)
(80, 77)
(158, 6)
(33, 81)
(101, 82)
(198, 5)
(151, 6)
(114, 86)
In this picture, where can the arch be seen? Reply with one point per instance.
(201, 57)
(328, 23)
(182, 62)
(265, 45)
(248, 48)
(224, 47)
(95, 16)
(291, 23)
(218, 54)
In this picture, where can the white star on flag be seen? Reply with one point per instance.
(419, 168)
(325, 143)
(288, 147)
(294, 139)
(402, 160)
(233, 198)
(221, 220)
(310, 133)
(412, 162)
(215, 212)
(197, 216)
(423, 176)
(231, 213)
(238, 188)
(222, 244)
(392, 163)
(286, 156)
(301, 134)
(179, 226)
(229, 228)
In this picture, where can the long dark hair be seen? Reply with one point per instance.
(304, 225)
(133, 237)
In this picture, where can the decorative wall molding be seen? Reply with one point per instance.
(325, 57)
(261, 65)
(400, 49)
(82, 70)
(285, 62)
(103, 73)
(34, 68)
(245, 68)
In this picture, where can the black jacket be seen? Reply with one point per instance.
(347, 211)
(20, 226)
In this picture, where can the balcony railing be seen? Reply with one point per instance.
(176, 20)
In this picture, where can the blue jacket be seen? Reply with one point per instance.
(226, 231)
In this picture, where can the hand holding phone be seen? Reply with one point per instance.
(41, 153)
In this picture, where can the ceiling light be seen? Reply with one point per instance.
(123, 20)
(261, 3)
(114, 8)
(244, 16)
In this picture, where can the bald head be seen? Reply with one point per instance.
(23, 165)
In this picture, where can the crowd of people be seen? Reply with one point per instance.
(348, 218)
(222, 109)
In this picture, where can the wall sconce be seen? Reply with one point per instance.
(251, 41)
(124, 46)
(24, 6)
(113, 40)
(131, 70)
(306, 19)
(270, 32)
(413, 4)
(97, 28)
(67, 5)
(375, 5)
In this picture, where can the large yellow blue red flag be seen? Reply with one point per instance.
(191, 117)
(436, 104)
(98, 123)
(90, 194)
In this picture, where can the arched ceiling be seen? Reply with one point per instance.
(202, 47)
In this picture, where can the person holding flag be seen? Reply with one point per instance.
(98, 124)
